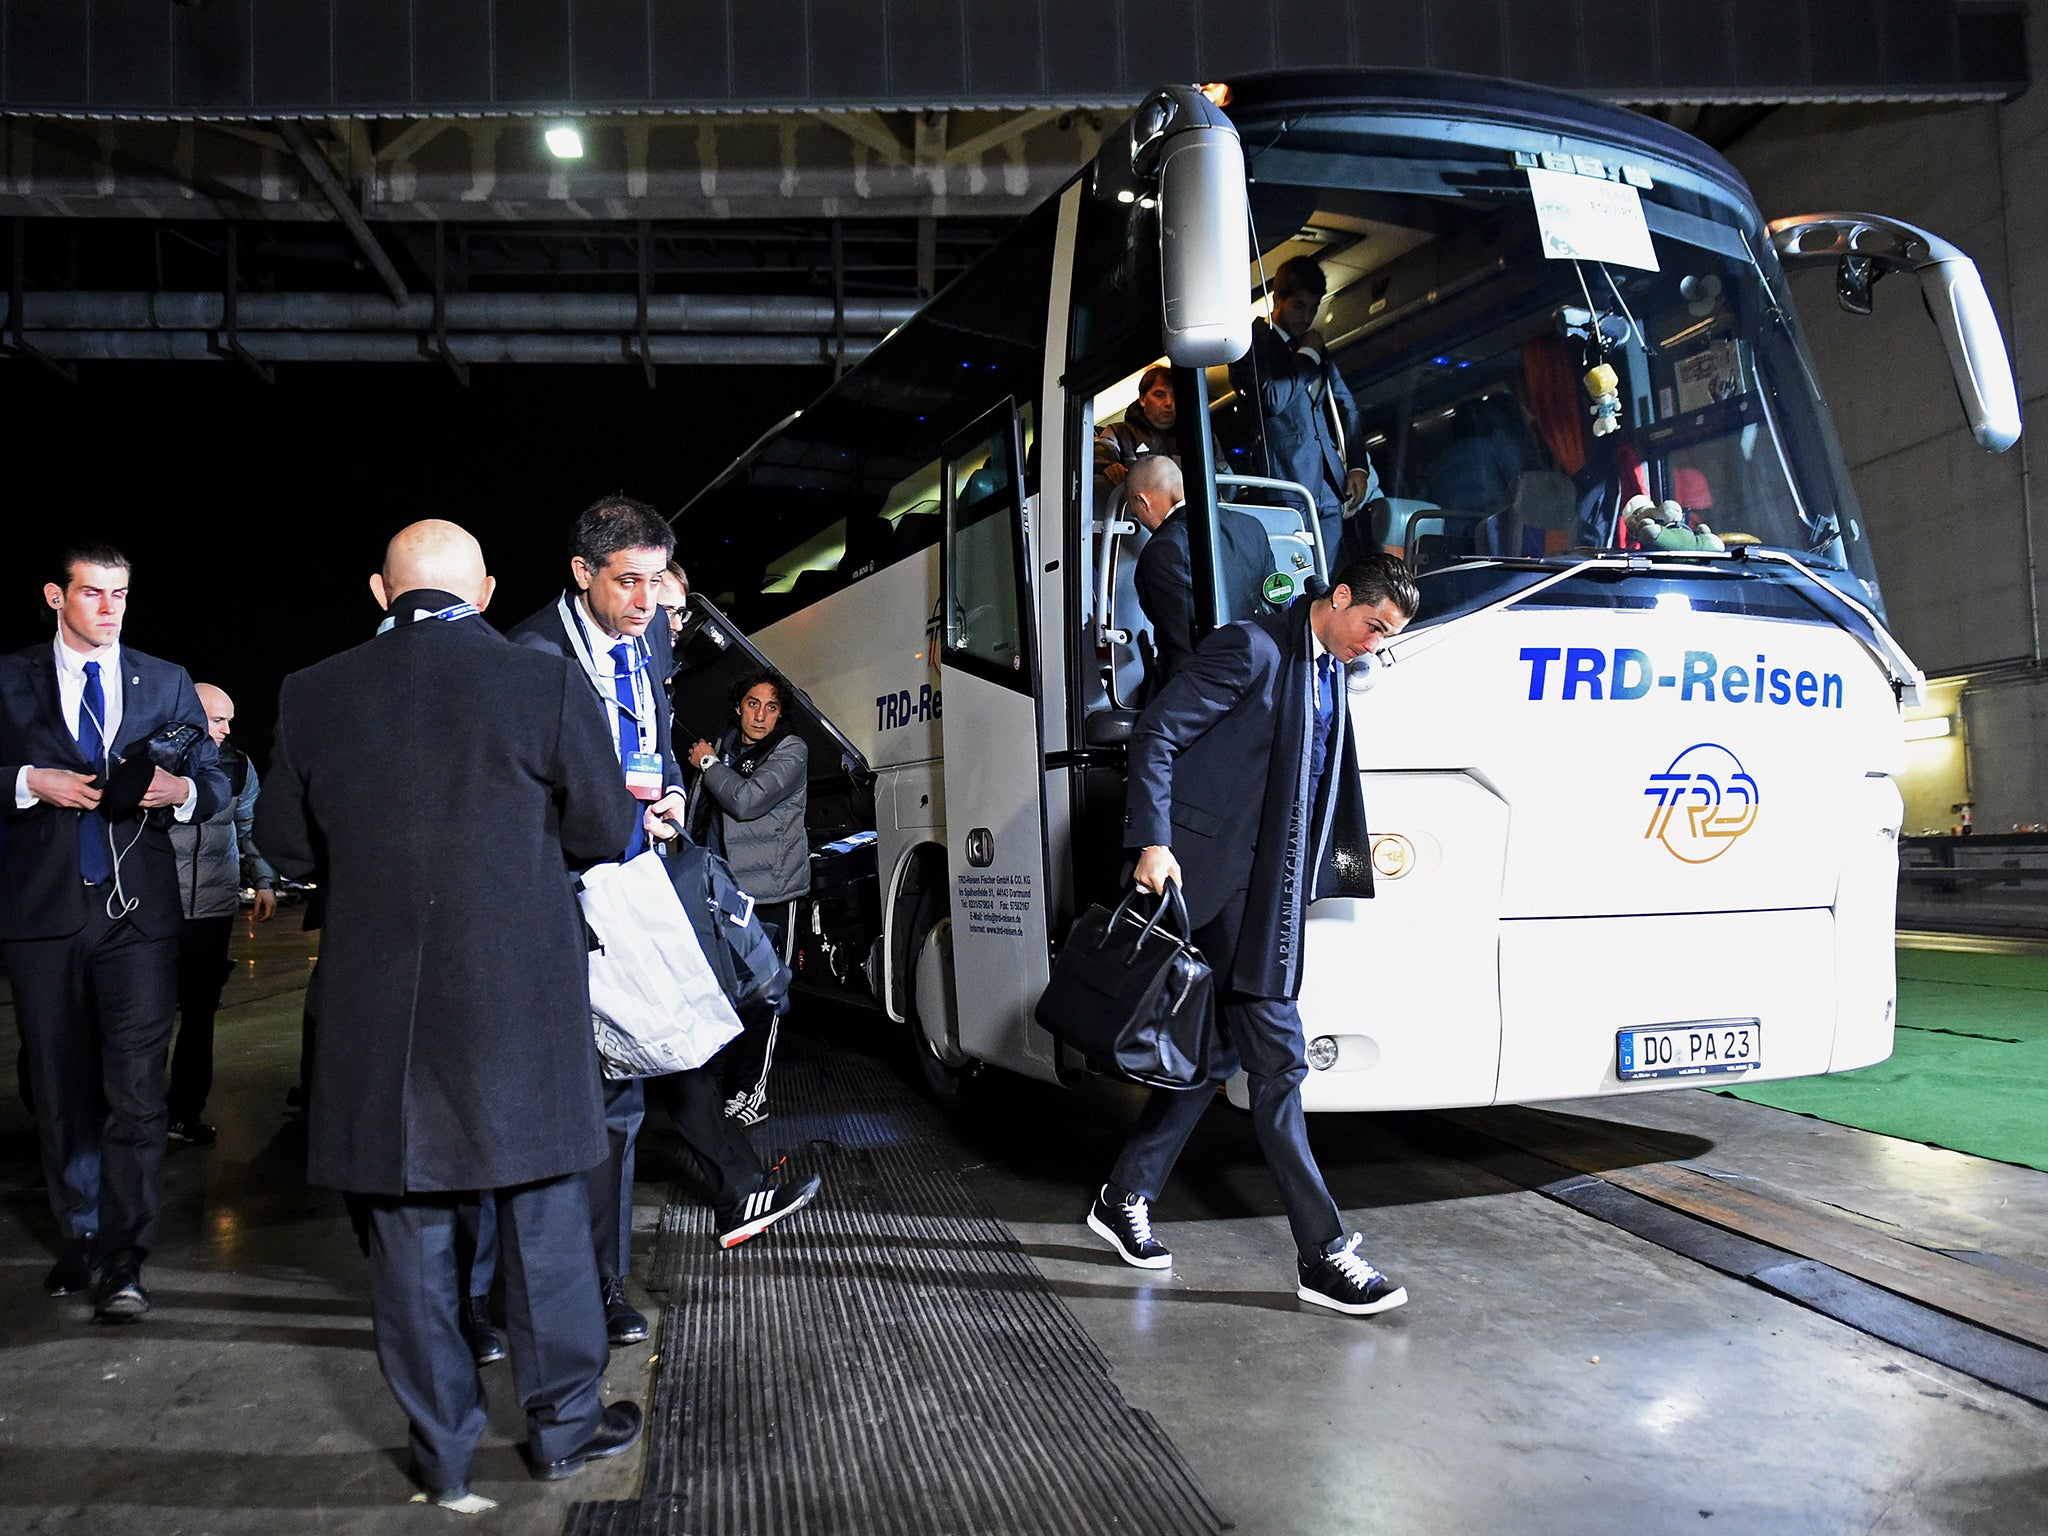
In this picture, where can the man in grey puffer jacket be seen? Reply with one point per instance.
(216, 858)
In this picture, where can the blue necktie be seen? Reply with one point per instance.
(629, 728)
(1326, 712)
(95, 862)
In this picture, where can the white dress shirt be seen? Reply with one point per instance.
(602, 671)
(70, 700)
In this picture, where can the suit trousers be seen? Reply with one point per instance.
(95, 1011)
(611, 1181)
(203, 969)
(695, 1100)
(1267, 1036)
(554, 1322)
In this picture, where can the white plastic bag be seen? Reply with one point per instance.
(655, 1004)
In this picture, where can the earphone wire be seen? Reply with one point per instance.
(119, 892)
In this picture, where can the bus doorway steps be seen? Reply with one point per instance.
(886, 1361)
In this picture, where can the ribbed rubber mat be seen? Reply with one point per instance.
(888, 1360)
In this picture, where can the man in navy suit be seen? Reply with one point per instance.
(90, 916)
(1244, 790)
(604, 622)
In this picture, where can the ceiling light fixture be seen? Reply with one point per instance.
(565, 141)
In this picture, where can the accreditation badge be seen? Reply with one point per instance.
(643, 775)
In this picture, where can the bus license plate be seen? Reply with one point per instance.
(1709, 1047)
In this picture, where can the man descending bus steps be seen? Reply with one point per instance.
(1244, 775)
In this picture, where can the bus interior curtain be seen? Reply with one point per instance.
(1553, 395)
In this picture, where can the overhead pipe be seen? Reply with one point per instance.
(618, 314)
(468, 348)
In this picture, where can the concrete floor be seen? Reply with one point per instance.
(1551, 1374)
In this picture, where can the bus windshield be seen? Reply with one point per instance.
(1463, 350)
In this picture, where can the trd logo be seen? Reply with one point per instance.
(1718, 799)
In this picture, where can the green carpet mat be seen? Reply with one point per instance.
(1969, 1063)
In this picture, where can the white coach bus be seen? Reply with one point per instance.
(1633, 812)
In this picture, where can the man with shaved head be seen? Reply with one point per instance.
(443, 785)
(1166, 576)
(216, 858)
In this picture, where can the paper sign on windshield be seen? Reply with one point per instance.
(1584, 218)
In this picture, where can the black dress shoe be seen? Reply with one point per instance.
(623, 1322)
(619, 1431)
(118, 1296)
(486, 1347)
(72, 1273)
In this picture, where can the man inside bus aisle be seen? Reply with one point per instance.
(1244, 790)
(1305, 408)
(216, 858)
(1165, 579)
(445, 784)
(603, 621)
(89, 913)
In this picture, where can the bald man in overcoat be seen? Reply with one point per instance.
(443, 784)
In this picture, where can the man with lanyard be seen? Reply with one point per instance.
(619, 552)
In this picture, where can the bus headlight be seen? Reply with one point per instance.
(1322, 1053)
(1392, 855)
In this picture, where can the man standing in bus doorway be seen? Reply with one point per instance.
(1146, 428)
(1243, 774)
(1305, 408)
(1165, 577)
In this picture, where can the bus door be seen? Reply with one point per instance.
(995, 819)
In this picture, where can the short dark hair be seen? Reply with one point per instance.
(1156, 371)
(85, 552)
(1380, 577)
(613, 523)
(1301, 274)
(749, 681)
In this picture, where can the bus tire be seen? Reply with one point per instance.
(943, 1068)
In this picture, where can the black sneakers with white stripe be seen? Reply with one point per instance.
(1340, 1278)
(762, 1209)
(1126, 1225)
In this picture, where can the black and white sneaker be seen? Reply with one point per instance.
(1127, 1227)
(762, 1209)
(1340, 1278)
(749, 1107)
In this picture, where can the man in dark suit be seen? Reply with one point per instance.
(603, 623)
(1306, 415)
(1165, 575)
(90, 916)
(1244, 790)
(442, 782)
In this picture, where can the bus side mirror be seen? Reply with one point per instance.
(1204, 249)
(1865, 247)
(1183, 153)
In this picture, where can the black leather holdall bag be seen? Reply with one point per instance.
(1134, 996)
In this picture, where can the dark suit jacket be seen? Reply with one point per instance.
(543, 630)
(1219, 773)
(444, 781)
(1166, 584)
(41, 895)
